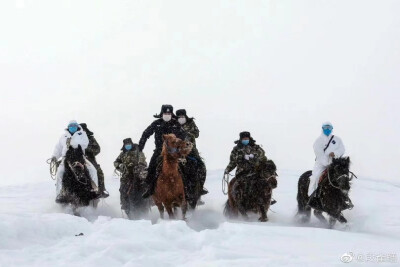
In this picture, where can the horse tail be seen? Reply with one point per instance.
(302, 192)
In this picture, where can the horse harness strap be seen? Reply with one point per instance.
(171, 150)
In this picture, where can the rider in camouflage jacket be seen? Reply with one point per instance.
(192, 132)
(91, 152)
(131, 163)
(245, 156)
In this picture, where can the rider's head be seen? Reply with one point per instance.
(182, 117)
(245, 138)
(73, 126)
(128, 144)
(167, 112)
(327, 128)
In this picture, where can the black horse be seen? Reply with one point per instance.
(77, 186)
(193, 174)
(331, 195)
(252, 192)
(131, 189)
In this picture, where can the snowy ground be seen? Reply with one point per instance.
(34, 231)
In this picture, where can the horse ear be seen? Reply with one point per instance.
(348, 160)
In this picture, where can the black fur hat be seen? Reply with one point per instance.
(165, 109)
(85, 128)
(182, 112)
(244, 135)
(127, 141)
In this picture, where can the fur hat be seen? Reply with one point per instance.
(127, 141)
(244, 135)
(165, 109)
(182, 112)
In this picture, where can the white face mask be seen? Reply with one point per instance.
(182, 120)
(166, 117)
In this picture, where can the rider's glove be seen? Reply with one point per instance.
(53, 159)
(226, 172)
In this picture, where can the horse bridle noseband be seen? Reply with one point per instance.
(343, 175)
(72, 167)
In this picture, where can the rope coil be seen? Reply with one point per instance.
(225, 183)
(53, 167)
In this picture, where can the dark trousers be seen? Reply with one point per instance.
(151, 177)
(100, 174)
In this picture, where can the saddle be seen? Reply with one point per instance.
(323, 175)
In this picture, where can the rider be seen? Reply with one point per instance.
(91, 152)
(244, 156)
(73, 136)
(326, 147)
(165, 124)
(192, 132)
(130, 157)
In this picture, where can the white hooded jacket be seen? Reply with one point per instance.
(336, 146)
(78, 138)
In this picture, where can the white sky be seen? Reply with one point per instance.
(275, 68)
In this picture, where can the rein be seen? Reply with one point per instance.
(72, 169)
(343, 175)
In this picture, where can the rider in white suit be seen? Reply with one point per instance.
(326, 147)
(73, 136)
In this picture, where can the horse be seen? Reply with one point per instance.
(169, 192)
(193, 173)
(131, 190)
(331, 195)
(252, 192)
(77, 185)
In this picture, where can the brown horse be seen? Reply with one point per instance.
(169, 192)
(252, 192)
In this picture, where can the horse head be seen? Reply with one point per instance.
(75, 161)
(175, 147)
(340, 170)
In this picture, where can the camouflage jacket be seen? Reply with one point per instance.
(192, 132)
(238, 159)
(93, 148)
(133, 161)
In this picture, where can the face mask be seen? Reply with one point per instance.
(128, 147)
(327, 131)
(182, 120)
(166, 117)
(72, 129)
(245, 142)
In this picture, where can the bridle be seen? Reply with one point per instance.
(171, 150)
(73, 166)
(339, 177)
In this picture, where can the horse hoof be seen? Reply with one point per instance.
(261, 219)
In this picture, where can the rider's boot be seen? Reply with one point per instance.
(204, 191)
(273, 201)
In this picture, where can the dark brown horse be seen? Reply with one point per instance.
(169, 192)
(331, 195)
(253, 192)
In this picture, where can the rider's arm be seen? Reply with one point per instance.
(340, 149)
(146, 135)
(118, 161)
(57, 153)
(233, 161)
(93, 146)
(321, 158)
(194, 130)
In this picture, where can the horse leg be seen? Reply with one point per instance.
(332, 222)
(160, 208)
(242, 211)
(171, 214)
(320, 217)
(184, 208)
(263, 212)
